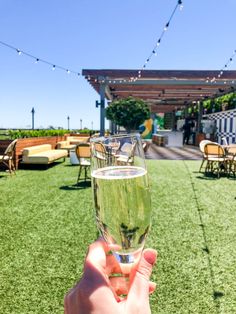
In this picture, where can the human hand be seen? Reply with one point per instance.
(98, 292)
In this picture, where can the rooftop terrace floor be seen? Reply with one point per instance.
(187, 152)
(47, 223)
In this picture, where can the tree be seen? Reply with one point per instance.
(129, 113)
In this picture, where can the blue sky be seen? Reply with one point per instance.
(104, 34)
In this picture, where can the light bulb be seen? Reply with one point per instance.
(167, 25)
(180, 3)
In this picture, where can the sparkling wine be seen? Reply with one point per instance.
(123, 208)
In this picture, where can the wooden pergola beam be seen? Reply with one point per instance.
(161, 88)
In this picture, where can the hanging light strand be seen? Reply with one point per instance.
(37, 60)
(156, 47)
(223, 69)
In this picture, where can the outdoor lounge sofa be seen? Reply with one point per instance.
(77, 139)
(71, 142)
(42, 154)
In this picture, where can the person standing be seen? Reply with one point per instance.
(187, 131)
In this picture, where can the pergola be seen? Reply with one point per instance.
(164, 90)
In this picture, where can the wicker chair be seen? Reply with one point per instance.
(83, 154)
(101, 155)
(231, 155)
(201, 147)
(8, 157)
(126, 155)
(217, 161)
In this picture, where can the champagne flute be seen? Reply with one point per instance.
(121, 195)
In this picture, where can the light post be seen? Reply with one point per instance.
(68, 123)
(33, 112)
(81, 124)
(92, 125)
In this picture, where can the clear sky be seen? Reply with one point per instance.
(99, 34)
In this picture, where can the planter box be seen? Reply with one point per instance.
(202, 136)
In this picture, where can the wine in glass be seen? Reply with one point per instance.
(121, 194)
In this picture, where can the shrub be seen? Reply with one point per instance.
(129, 113)
(35, 133)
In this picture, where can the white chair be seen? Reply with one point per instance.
(225, 142)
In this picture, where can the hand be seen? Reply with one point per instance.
(98, 292)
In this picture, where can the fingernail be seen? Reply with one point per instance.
(150, 256)
(114, 247)
(152, 287)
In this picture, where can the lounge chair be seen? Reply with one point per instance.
(8, 157)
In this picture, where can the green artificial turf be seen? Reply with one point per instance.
(47, 223)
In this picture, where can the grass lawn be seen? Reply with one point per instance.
(47, 223)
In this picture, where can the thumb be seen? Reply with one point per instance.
(139, 289)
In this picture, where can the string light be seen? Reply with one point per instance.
(131, 79)
(181, 5)
(223, 69)
(154, 50)
(37, 60)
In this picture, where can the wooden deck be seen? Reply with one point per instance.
(187, 152)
